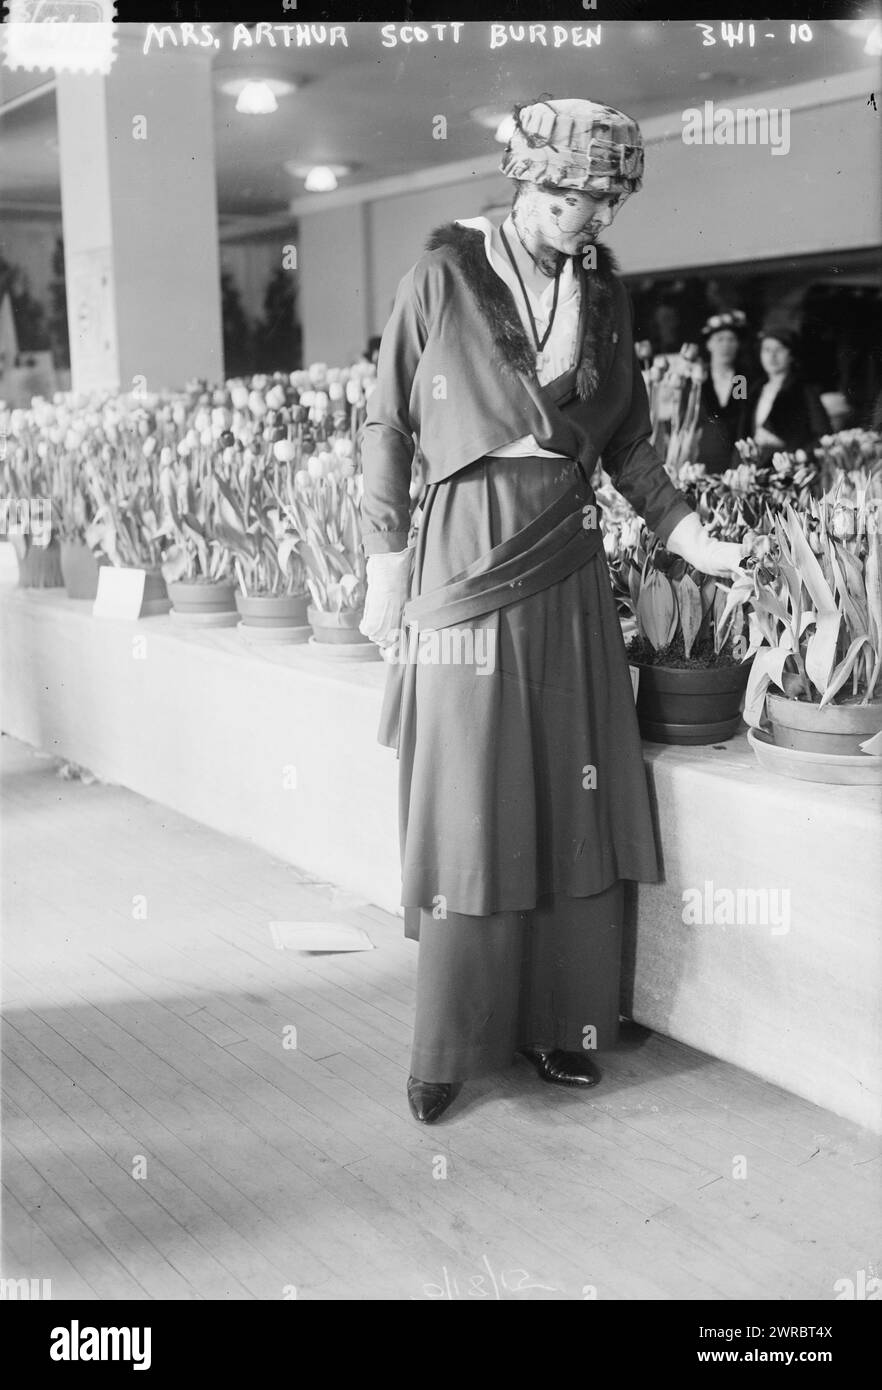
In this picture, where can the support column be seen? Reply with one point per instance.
(333, 259)
(139, 208)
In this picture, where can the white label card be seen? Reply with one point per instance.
(120, 592)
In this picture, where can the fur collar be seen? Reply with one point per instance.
(495, 302)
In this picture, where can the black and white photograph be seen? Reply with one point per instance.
(441, 704)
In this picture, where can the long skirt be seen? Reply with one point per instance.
(523, 794)
(487, 987)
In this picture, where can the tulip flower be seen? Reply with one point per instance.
(285, 450)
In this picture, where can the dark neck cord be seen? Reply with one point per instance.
(540, 342)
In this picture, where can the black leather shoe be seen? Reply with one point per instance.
(428, 1099)
(563, 1068)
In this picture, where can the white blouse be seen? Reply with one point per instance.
(559, 353)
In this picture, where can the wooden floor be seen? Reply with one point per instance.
(164, 1139)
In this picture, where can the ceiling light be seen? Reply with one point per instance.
(321, 179)
(318, 178)
(257, 97)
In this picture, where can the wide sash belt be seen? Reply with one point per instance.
(556, 543)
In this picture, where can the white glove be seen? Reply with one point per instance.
(388, 589)
(691, 542)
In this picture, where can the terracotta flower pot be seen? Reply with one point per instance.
(690, 705)
(39, 566)
(340, 629)
(834, 729)
(336, 636)
(274, 617)
(204, 602)
(156, 599)
(80, 569)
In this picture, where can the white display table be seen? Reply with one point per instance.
(277, 746)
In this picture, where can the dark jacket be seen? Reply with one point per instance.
(719, 425)
(456, 369)
(797, 416)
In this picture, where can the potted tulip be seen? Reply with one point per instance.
(687, 649)
(673, 387)
(816, 629)
(198, 566)
(79, 565)
(128, 526)
(272, 597)
(32, 515)
(324, 514)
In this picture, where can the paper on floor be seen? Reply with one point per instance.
(319, 936)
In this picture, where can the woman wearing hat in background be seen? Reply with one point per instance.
(783, 412)
(509, 357)
(723, 391)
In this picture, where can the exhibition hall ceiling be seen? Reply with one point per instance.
(371, 105)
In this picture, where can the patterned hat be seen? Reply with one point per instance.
(732, 320)
(575, 144)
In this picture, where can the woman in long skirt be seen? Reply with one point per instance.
(523, 799)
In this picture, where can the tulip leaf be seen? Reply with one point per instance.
(633, 586)
(873, 746)
(657, 610)
(873, 578)
(288, 547)
(808, 567)
(689, 604)
(768, 665)
(843, 670)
